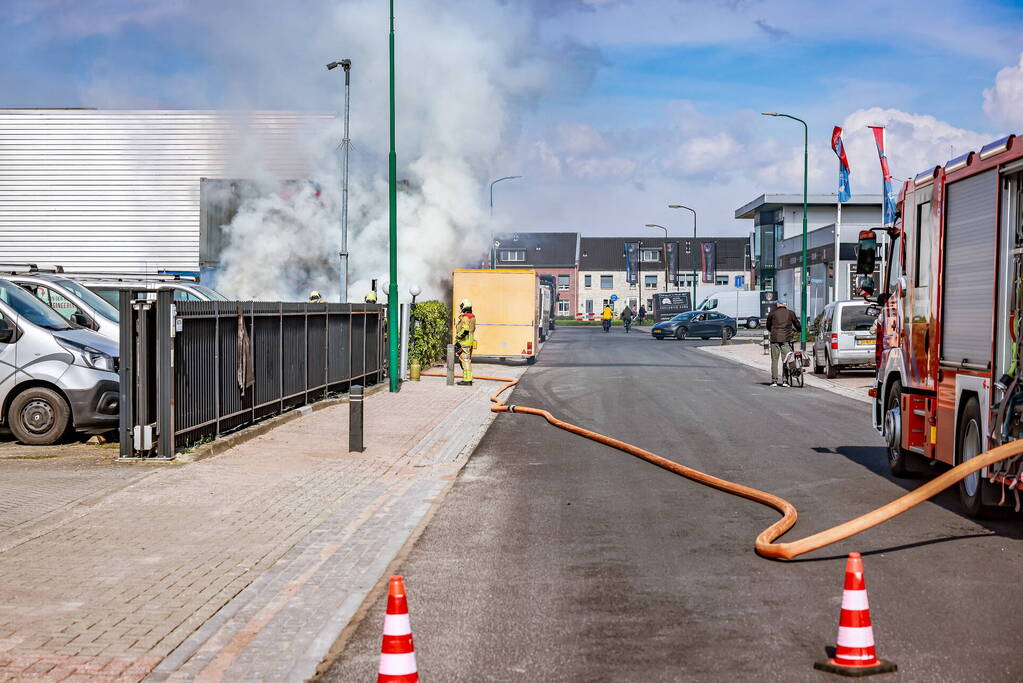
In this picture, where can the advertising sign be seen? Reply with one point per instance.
(709, 252)
(672, 248)
(632, 262)
(670, 304)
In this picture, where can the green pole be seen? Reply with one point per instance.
(806, 152)
(392, 290)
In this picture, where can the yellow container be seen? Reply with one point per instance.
(507, 308)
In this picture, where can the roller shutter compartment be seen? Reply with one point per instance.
(969, 287)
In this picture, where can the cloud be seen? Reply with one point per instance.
(1003, 102)
(771, 31)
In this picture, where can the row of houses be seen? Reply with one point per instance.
(590, 270)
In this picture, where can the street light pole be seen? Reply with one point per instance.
(346, 143)
(693, 254)
(664, 251)
(392, 289)
(493, 247)
(806, 153)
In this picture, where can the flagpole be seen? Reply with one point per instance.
(838, 248)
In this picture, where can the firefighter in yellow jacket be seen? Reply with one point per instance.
(465, 340)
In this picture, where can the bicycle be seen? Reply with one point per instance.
(606, 324)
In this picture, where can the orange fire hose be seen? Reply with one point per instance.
(765, 545)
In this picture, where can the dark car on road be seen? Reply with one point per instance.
(702, 324)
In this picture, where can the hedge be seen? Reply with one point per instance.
(432, 332)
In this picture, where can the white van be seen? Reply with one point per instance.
(73, 301)
(846, 338)
(740, 304)
(53, 376)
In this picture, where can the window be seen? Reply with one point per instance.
(721, 280)
(563, 307)
(651, 255)
(588, 281)
(685, 279)
(607, 281)
(512, 255)
(563, 282)
(856, 319)
(55, 300)
(649, 304)
(923, 245)
(182, 295)
(649, 280)
(589, 305)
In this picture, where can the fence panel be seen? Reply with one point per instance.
(230, 364)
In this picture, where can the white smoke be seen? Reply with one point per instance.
(465, 70)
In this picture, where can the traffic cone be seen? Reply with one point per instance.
(855, 654)
(397, 654)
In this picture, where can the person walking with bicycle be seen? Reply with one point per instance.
(627, 317)
(782, 324)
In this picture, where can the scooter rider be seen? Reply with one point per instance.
(627, 318)
(606, 317)
(465, 340)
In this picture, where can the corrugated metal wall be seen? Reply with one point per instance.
(102, 190)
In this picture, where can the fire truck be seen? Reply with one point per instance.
(950, 309)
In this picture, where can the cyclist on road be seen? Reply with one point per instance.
(627, 318)
(606, 317)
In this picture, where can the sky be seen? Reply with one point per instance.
(609, 109)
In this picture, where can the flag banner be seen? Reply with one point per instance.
(672, 262)
(709, 252)
(888, 199)
(632, 262)
(844, 193)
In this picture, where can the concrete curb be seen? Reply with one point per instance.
(226, 443)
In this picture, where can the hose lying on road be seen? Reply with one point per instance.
(765, 544)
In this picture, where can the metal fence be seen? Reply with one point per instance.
(195, 370)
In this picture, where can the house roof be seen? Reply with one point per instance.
(608, 253)
(543, 249)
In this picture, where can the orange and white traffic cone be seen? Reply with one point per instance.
(855, 654)
(397, 654)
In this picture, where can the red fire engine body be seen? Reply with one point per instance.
(948, 383)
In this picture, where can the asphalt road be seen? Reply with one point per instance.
(554, 558)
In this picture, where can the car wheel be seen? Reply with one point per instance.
(681, 333)
(752, 323)
(969, 445)
(830, 371)
(897, 456)
(38, 416)
(727, 333)
(817, 368)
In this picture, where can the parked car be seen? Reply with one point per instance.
(54, 376)
(109, 288)
(702, 324)
(845, 338)
(75, 302)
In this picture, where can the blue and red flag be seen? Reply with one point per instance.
(844, 193)
(889, 198)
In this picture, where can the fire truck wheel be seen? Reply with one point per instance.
(897, 456)
(969, 445)
(830, 371)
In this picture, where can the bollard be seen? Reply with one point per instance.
(767, 342)
(451, 365)
(355, 420)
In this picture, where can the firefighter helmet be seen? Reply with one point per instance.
(315, 296)
(465, 305)
(371, 298)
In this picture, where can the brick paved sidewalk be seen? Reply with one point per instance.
(851, 383)
(246, 566)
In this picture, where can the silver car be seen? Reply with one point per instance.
(846, 338)
(53, 376)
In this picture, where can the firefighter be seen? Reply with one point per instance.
(370, 298)
(465, 340)
(316, 298)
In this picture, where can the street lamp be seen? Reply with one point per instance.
(665, 251)
(802, 302)
(493, 251)
(693, 254)
(394, 371)
(345, 64)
